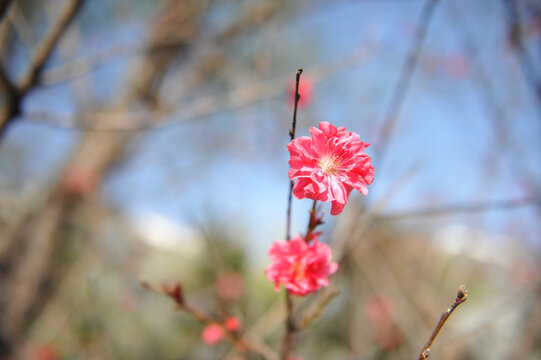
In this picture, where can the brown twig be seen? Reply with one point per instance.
(516, 38)
(95, 154)
(4, 6)
(292, 136)
(174, 291)
(11, 106)
(297, 98)
(313, 222)
(450, 209)
(16, 92)
(497, 112)
(461, 297)
(48, 44)
(290, 321)
(137, 121)
(291, 326)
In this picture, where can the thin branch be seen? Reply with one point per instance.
(297, 98)
(11, 105)
(94, 155)
(292, 136)
(47, 46)
(4, 6)
(290, 321)
(174, 291)
(255, 17)
(183, 111)
(385, 280)
(497, 113)
(461, 297)
(404, 81)
(16, 92)
(313, 222)
(82, 66)
(21, 26)
(459, 208)
(291, 327)
(516, 38)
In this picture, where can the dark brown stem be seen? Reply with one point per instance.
(42, 54)
(292, 136)
(291, 327)
(313, 222)
(12, 104)
(297, 98)
(4, 6)
(290, 321)
(461, 297)
(240, 343)
(48, 44)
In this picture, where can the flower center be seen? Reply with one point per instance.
(329, 164)
(299, 271)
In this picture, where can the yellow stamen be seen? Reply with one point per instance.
(329, 164)
(299, 271)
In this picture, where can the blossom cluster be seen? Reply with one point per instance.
(213, 333)
(324, 167)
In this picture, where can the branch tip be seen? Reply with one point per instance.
(462, 293)
(461, 297)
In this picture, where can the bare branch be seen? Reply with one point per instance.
(46, 231)
(4, 6)
(292, 136)
(48, 44)
(404, 81)
(174, 291)
(11, 106)
(115, 121)
(461, 297)
(17, 92)
(461, 207)
(516, 38)
(290, 321)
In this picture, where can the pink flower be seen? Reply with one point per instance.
(212, 334)
(328, 165)
(302, 268)
(232, 323)
(305, 91)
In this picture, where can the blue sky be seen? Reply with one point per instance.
(235, 161)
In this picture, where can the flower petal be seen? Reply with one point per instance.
(329, 164)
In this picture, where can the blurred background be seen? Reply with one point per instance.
(146, 139)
